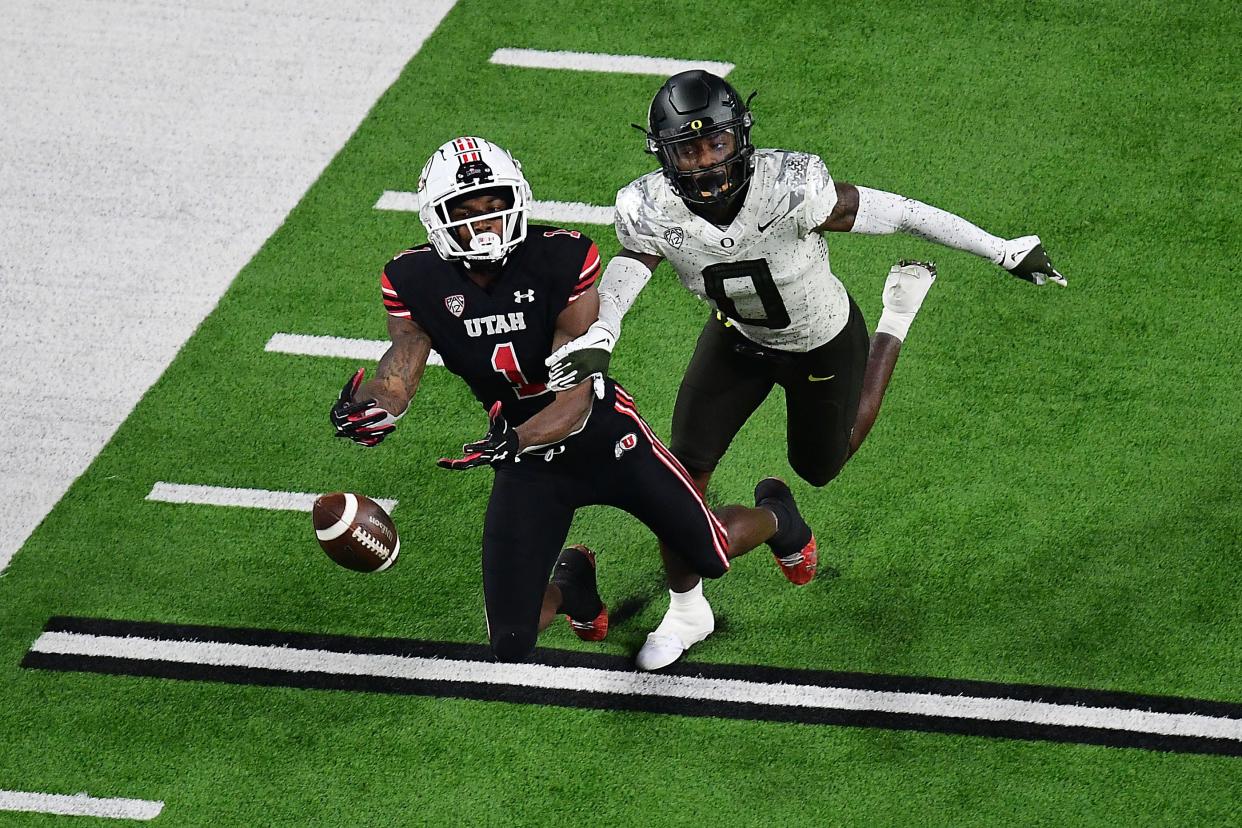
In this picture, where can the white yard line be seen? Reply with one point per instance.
(594, 680)
(246, 498)
(591, 62)
(566, 212)
(80, 805)
(149, 150)
(334, 346)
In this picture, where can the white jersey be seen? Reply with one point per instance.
(767, 271)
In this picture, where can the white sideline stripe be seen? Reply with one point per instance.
(592, 62)
(80, 805)
(567, 212)
(248, 498)
(334, 346)
(594, 680)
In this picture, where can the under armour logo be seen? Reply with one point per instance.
(524, 295)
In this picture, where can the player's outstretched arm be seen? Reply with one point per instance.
(875, 212)
(367, 412)
(567, 413)
(401, 368)
(588, 355)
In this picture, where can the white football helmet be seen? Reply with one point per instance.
(470, 166)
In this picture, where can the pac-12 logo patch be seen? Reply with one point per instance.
(456, 304)
(625, 444)
(675, 236)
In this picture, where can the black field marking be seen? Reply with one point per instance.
(609, 683)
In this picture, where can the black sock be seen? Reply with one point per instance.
(791, 533)
(579, 602)
(575, 577)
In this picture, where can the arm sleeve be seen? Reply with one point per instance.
(623, 280)
(880, 213)
(819, 196)
(392, 302)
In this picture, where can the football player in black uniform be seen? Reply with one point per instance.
(494, 297)
(742, 228)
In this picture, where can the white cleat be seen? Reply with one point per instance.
(907, 285)
(681, 629)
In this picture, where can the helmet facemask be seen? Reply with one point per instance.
(482, 246)
(715, 183)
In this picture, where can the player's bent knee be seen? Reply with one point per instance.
(817, 474)
(709, 564)
(513, 645)
(695, 464)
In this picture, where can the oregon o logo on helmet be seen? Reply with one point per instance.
(696, 124)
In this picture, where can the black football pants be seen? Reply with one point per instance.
(615, 461)
(729, 377)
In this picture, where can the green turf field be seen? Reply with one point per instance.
(1050, 496)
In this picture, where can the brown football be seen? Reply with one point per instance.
(355, 531)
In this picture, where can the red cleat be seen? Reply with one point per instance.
(799, 567)
(591, 630)
(794, 544)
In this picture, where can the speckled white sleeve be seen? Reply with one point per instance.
(881, 213)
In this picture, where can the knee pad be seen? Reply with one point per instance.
(513, 645)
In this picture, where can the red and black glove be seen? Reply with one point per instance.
(500, 445)
(364, 422)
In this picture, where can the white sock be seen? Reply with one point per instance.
(686, 600)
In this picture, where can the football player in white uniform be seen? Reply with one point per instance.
(742, 229)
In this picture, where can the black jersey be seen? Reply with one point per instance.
(496, 339)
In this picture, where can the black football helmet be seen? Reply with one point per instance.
(698, 105)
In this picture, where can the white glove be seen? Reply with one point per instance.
(904, 291)
(588, 355)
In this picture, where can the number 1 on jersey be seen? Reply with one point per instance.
(505, 360)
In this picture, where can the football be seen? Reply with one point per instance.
(355, 531)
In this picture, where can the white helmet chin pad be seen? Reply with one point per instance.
(466, 167)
